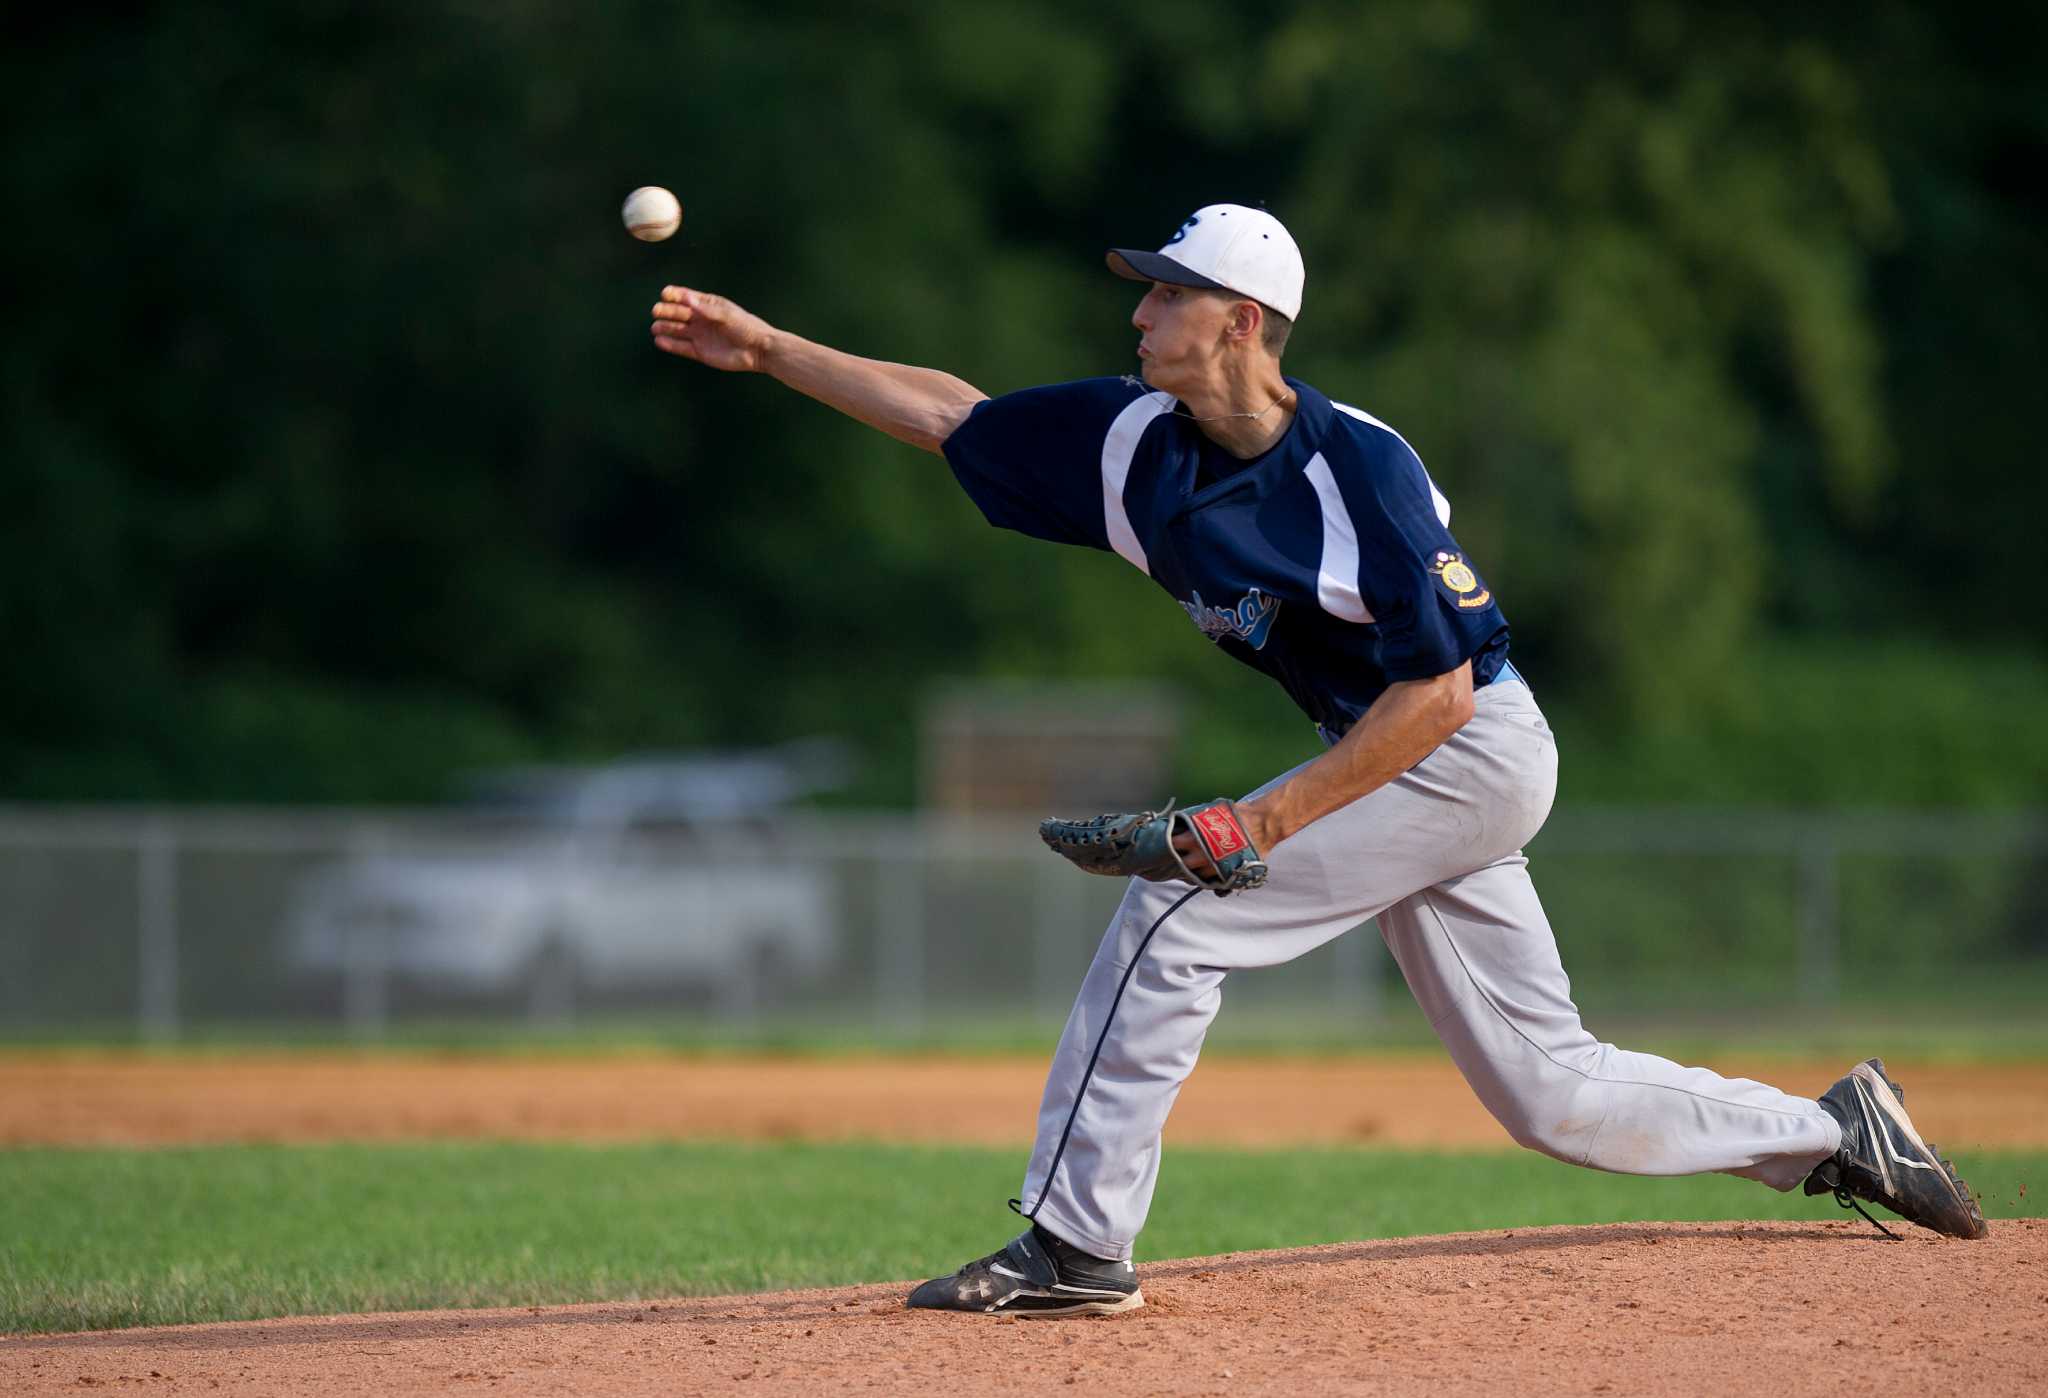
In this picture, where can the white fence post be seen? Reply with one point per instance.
(366, 960)
(156, 887)
(1820, 921)
(1355, 974)
(899, 940)
(1060, 908)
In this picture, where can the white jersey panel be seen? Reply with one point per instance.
(1337, 576)
(1118, 448)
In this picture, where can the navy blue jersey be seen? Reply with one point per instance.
(1327, 562)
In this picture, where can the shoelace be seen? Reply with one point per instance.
(1848, 1201)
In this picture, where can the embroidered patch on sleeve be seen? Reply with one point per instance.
(1458, 579)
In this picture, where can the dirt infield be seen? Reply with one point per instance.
(143, 1099)
(1622, 1309)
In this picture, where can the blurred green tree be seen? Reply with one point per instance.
(335, 460)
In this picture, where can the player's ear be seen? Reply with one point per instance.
(1246, 319)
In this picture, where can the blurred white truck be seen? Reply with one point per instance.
(639, 876)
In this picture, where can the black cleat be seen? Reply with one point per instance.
(1882, 1159)
(1036, 1274)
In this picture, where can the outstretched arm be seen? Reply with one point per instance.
(918, 406)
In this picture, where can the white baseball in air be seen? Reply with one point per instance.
(651, 213)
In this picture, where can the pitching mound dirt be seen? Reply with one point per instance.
(1622, 1309)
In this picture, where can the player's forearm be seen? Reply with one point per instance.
(918, 406)
(1404, 725)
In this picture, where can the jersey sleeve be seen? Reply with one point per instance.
(1434, 611)
(1032, 461)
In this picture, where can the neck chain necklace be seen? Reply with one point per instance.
(1178, 411)
(1222, 416)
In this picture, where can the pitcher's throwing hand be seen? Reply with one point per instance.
(710, 330)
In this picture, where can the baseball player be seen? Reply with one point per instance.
(1304, 537)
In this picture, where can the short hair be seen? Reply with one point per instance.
(1274, 330)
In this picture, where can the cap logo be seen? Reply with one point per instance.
(1182, 231)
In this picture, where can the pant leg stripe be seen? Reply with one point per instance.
(1089, 1076)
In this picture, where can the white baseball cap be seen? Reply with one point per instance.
(1224, 247)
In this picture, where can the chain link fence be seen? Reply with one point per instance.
(171, 923)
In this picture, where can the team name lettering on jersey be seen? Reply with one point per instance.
(1249, 621)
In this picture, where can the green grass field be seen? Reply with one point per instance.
(93, 1239)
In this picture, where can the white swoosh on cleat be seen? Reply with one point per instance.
(1879, 1137)
(1871, 1110)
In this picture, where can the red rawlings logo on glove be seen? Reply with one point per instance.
(1159, 845)
(1220, 831)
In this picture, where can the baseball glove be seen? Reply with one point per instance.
(1143, 845)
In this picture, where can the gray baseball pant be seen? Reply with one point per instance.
(1436, 856)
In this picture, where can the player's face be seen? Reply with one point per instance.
(1181, 335)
